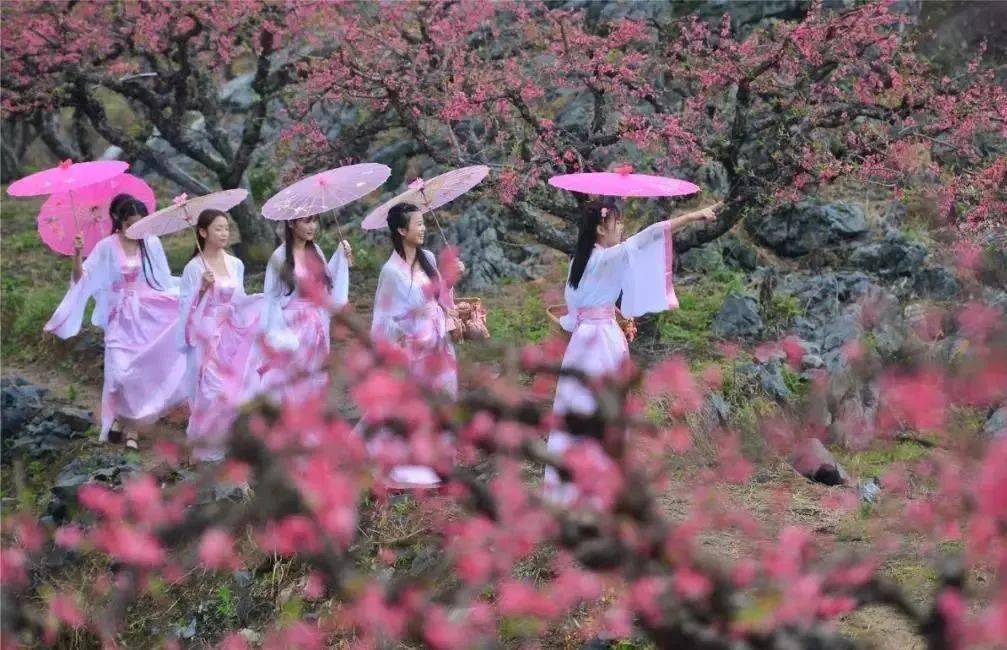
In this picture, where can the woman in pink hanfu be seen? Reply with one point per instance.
(603, 269)
(295, 326)
(219, 331)
(136, 304)
(410, 311)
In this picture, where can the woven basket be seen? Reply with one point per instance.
(475, 301)
(555, 312)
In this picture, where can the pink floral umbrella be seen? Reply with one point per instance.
(429, 195)
(66, 177)
(623, 182)
(184, 213)
(86, 211)
(325, 191)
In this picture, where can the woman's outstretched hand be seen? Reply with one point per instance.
(709, 213)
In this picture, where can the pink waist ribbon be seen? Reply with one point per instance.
(595, 314)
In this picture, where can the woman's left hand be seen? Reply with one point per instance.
(461, 267)
(349, 251)
(710, 213)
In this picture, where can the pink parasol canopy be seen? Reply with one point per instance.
(183, 213)
(429, 195)
(86, 211)
(325, 191)
(66, 177)
(623, 182)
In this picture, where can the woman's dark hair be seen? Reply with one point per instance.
(587, 237)
(287, 275)
(398, 217)
(206, 217)
(122, 208)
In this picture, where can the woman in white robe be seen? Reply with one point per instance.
(411, 310)
(219, 331)
(603, 269)
(136, 304)
(295, 326)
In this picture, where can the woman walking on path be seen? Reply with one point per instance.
(219, 329)
(294, 323)
(136, 304)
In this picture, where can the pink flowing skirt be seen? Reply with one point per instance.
(144, 369)
(225, 377)
(293, 377)
(597, 347)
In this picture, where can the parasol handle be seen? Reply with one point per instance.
(426, 204)
(73, 211)
(339, 231)
(195, 236)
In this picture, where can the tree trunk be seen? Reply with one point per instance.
(257, 237)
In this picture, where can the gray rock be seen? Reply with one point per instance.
(575, 112)
(238, 92)
(869, 491)
(808, 226)
(890, 258)
(720, 407)
(737, 254)
(769, 377)
(111, 153)
(739, 316)
(703, 258)
(811, 361)
(110, 468)
(936, 282)
(31, 426)
(839, 331)
(817, 463)
(478, 241)
(20, 402)
(996, 424)
(186, 631)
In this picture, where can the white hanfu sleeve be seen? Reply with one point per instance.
(647, 276)
(69, 315)
(388, 304)
(272, 323)
(339, 271)
(189, 303)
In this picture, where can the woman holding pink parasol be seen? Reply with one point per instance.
(300, 286)
(605, 270)
(411, 310)
(219, 329)
(414, 300)
(137, 306)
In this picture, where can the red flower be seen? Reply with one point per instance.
(216, 550)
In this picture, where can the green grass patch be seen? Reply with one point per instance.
(22, 242)
(915, 578)
(24, 313)
(520, 323)
(782, 311)
(689, 325)
(794, 382)
(873, 462)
